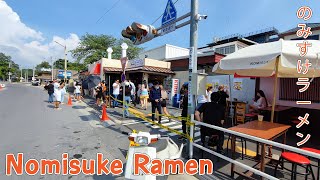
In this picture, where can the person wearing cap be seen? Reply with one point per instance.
(155, 98)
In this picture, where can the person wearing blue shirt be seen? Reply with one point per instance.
(155, 99)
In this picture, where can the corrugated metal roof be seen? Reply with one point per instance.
(294, 30)
(143, 68)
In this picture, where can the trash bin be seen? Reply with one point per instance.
(176, 100)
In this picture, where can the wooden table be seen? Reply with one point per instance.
(277, 110)
(261, 129)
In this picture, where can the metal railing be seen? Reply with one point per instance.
(258, 172)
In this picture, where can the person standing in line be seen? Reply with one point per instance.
(201, 100)
(77, 91)
(213, 114)
(223, 96)
(50, 89)
(104, 91)
(208, 93)
(138, 94)
(63, 92)
(99, 95)
(55, 84)
(57, 94)
(164, 95)
(133, 93)
(155, 98)
(115, 92)
(144, 97)
(184, 113)
(127, 98)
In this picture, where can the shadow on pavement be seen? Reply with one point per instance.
(79, 107)
(50, 106)
(84, 118)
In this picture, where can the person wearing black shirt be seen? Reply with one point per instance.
(184, 111)
(127, 98)
(155, 98)
(223, 96)
(213, 113)
(50, 89)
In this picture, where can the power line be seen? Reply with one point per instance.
(162, 14)
(113, 6)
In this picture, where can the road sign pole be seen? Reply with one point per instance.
(192, 88)
(124, 47)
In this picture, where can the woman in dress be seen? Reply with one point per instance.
(144, 97)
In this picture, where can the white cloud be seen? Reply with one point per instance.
(27, 46)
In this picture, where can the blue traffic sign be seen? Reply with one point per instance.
(123, 77)
(170, 14)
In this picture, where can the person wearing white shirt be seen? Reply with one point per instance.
(56, 85)
(115, 92)
(133, 93)
(57, 95)
(63, 92)
(208, 93)
(77, 91)
(259, 103)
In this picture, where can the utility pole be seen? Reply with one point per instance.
(193, 62)
(27, 75)
(9, 72)
(124, 48)
(33, 74)
(65, 63)
(51, 69)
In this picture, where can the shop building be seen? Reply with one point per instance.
(138, 70)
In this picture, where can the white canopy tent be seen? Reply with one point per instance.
(277, 59)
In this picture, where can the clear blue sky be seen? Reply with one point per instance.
(225, 17)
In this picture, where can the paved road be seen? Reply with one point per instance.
(31, 126)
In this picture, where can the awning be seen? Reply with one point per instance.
(152, 69)
(143, 68)
(110, 69)
(96, 70)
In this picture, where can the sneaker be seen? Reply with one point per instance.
(155, 126)
(62, 103)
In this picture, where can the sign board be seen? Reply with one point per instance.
(124, 62)
(174, 87)
(61, 74)
(169, 18)
(123, 77)
(191, 54)
(135, 63)
(167, 29)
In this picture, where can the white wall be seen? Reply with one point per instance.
(164, 52)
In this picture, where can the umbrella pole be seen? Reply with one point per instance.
(230, 96)
(275, 89)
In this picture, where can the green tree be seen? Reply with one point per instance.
(94, 47)
(4, 67)
(43, 64)
(59, 64)
(76, 66)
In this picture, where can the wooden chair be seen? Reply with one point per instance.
(240, 112)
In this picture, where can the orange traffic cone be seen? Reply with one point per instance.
(104, 116)
(69, 101)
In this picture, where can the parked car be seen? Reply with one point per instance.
(36, 82)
